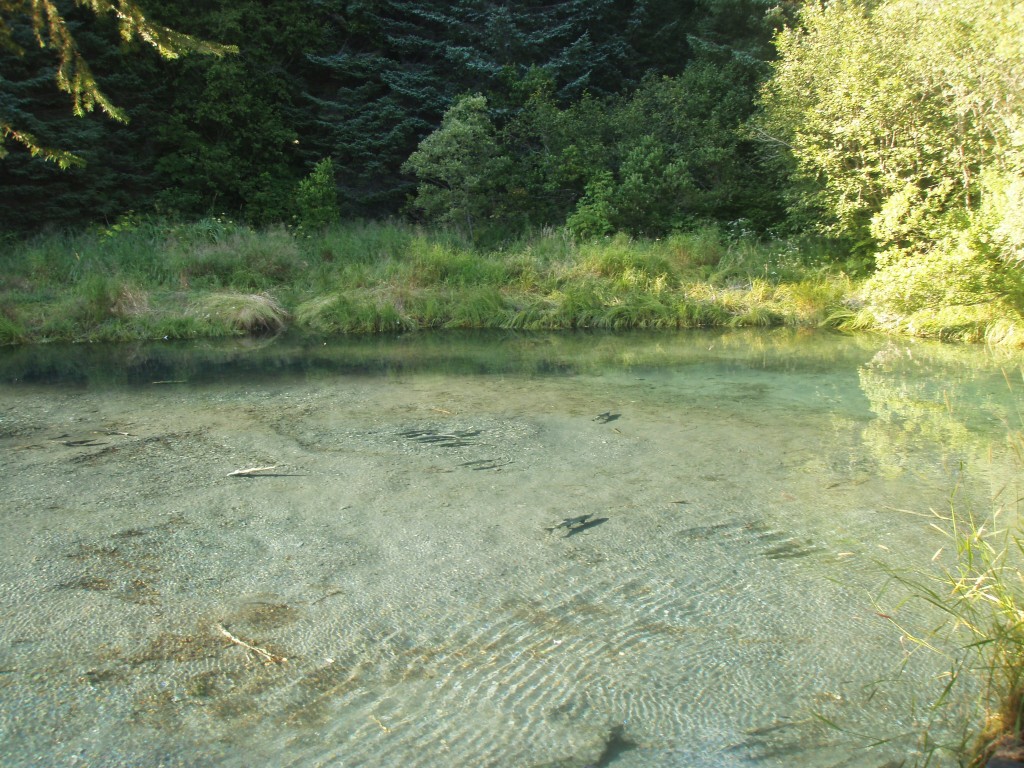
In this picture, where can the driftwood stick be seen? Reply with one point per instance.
(251, 471)
(263, 653)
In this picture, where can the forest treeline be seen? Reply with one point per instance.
(571, 92)
(892, 127)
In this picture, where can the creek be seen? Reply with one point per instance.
(459, 549)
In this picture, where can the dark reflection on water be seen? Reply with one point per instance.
(893, 374)
(455, 353)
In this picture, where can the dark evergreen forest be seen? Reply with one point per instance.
(606, 114)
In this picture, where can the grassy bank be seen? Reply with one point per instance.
(144, 280)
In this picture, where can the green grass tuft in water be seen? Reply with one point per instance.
(976, 580)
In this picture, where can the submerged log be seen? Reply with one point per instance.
(251, 471)
(263, 653)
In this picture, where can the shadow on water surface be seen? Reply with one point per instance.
(450, 352)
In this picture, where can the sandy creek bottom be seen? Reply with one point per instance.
(405, 557)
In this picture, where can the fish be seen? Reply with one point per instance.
(574, 525)
(456, 439)
(570, 522)
(480, 464)
(584, 526)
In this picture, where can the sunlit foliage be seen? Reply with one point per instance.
(904, 121)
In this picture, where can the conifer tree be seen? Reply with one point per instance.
(73, 74)
(116, 169)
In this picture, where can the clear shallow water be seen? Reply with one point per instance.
(746, 492)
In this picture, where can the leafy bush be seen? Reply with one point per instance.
(593, 215)
(458, 167)
(900, 122)
(1000, 223)
(317, 197)
(951, 274)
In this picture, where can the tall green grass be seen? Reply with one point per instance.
(981, 595)
(147, 278)
(975, 583)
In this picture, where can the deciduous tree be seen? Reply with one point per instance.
(893, 108)
(904, 120)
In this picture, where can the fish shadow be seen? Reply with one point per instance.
(271, 474)
(579, 524)
(770, 543)
(616, 743)
(585, 526)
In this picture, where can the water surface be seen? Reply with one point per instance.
(567, 550)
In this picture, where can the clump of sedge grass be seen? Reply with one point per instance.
(255, 313)
(130, 301)
(981, 594)
(242, 259)
(354, 312)
(977, 582)
(135, 278)
(11, 331)
(1005, 332)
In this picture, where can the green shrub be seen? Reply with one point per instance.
(952, 273)
(458, 167)
(593, 214)
(317, 197)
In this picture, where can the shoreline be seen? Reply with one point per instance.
(217, 279)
